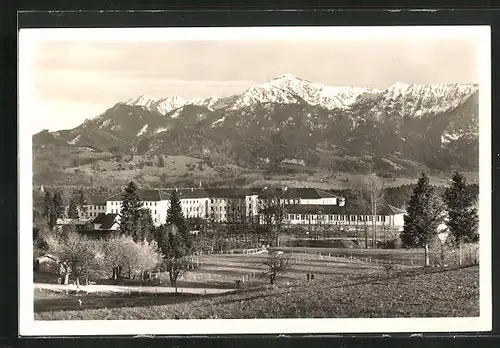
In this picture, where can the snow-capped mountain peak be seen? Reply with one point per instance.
(143, 100)
(165, 105)
(418, 100)
(206, 102)
(407, 126)
(171, 103)
(415, 100)
(285, 77)
(399, 86)
(442, 90)
(287, 88)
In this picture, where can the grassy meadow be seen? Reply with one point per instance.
(407, 293)
(342, 287)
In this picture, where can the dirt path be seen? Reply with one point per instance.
(128, 289)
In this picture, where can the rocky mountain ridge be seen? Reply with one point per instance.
(402, 128)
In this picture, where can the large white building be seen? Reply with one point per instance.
(388, 216)
(156, 201)
(95, 204)
(304, 206)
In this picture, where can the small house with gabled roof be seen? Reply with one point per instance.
(103, 226)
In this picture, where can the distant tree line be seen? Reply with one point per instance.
(399, 196)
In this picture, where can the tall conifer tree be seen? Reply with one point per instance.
(48, 209)
(82, 202)
(73, 210)
(129, 214)
(174, 240)
(424, 215)
(461, 210)
(175, 217)
(145, 227)
(58, 205)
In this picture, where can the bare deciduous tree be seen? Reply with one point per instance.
(148, 257)
(77, 254)
(236, 213)
(276, 263)
(369, 197)
(274, 209)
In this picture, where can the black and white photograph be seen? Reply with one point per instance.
(316, 179)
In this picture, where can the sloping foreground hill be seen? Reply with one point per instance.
(434, 293)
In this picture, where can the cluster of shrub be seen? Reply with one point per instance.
(140, 248)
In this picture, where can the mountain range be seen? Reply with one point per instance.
(400, 129)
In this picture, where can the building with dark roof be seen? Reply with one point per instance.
(156, 201)
(77, 224)
(223, 192)
(194, 202)
(106, 222)
(145, 195)
(103, 226)
(217, 203)
(302, 195)
(95, 204)
(307, 214)
(189, 193)
(96, 199)
(303, 205)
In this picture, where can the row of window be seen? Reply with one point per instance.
(195, 201)
(147, 204)
(193, 214)
(190, 201)
(359, 218)
(224, 200)
(217, 200)
(117, 211)
(96, 207)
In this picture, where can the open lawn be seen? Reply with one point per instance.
(407, 293)
(412, 257)
(224, 270)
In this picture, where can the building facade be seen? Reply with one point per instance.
(340, 215)
(157, 201)
(95, 205)
(302, 206)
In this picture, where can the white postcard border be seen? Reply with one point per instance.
(27, 110)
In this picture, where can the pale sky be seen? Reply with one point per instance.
(75, 80)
